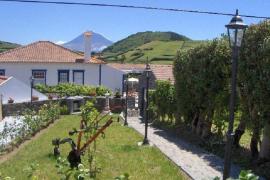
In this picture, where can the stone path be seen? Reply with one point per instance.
(197, 163)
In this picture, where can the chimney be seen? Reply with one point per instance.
(87, 46)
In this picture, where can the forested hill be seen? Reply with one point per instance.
(141, 38)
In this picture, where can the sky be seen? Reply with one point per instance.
(24, 23)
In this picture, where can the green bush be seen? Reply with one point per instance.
(64, 110)
(162, 58)
(101, 91)
(162, 101)
(32, 122)
(69, 89)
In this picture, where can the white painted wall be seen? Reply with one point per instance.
(23, 71)
(18, 91)
(110, 77)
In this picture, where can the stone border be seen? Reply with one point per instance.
(13, 109)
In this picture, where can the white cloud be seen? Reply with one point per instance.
(60, 42)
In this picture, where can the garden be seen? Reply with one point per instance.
(113, 155)
(196, 107)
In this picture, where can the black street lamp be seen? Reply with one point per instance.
(32, 85)
(126, 101)
(147, 73)
(236, 29)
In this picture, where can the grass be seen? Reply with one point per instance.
(159, 52)
(117, 154)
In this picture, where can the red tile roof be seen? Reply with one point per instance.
(127, 66)
(44, 52)
(161, 72)
(3, 79)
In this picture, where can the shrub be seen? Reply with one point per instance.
(101, 90)
(68, 89)
(117, 94)
(32, 122)
(64, 110)
(162, 101)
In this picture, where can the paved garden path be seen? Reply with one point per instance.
(197, 163)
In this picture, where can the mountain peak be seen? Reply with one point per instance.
(98, 42)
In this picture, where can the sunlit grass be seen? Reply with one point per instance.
(117, 153)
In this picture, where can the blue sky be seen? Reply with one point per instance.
(25, 23)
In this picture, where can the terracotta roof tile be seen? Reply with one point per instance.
(3, 79)
(127, 66)
(44, 52)
(161, 72)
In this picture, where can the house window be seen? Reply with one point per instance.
(2, 72)
(63, 76)
(78, 76)
(39, 76)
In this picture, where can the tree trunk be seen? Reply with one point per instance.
(265, 147)
(199, 127)
(239, 131)
(207, 125)
(254, 146)
(178, 120)
(195, 123)
(206, 131)
(255, 139)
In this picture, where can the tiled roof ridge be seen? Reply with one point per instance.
(57, 45)
(17, 48)
(36, 42)
(141, 64)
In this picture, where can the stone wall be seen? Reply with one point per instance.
(13, 109)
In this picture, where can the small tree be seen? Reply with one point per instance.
(122, 59)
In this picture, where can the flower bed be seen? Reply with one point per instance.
(16, 130)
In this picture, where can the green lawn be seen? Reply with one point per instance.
(118, 153)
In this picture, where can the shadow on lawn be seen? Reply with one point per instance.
(170, 133)
(185, 139)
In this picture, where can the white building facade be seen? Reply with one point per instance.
(51, 64)
(55, 73)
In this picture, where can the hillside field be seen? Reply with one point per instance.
(4, 46)
(158, 52)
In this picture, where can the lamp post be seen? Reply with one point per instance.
(126, 110)
(147, 73)
(31, 84)
(236, 29)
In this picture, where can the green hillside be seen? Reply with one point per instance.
(4, 46)
(138, 39)
(158, 52)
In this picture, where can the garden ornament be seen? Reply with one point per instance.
(74, 156)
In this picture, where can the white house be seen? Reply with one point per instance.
(50, 64)
(12, 88)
